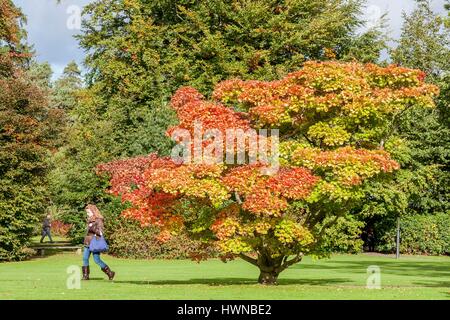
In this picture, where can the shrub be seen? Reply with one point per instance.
(19, 213)
(60, 228)
(129, 240)
(344, 236)
(419, 234)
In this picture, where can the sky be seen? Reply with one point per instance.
(51, 27)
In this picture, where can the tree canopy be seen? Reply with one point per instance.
(140, 52)
(335, 120)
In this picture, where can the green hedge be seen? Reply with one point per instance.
(21, 208)
(419, 234)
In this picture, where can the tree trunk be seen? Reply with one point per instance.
(268, 278)
(269, 268)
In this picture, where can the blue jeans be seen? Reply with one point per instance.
(87, 254)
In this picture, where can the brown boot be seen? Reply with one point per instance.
(85, 273)
(110, 273)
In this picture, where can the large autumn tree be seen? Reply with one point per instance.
(335, 122)
(139, 52)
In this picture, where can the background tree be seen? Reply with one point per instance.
(421, 185)
(334, 121)
(139, 52)
(24, 139)
(447, 7)
(63, 99)
(66, 88)
(41, 74)
(424, 42)
(10, 32)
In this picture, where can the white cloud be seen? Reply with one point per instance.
(394, 9)
(48, 32)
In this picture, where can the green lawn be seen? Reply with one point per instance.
(341, 277)
(35, 239)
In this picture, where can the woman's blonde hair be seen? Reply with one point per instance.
(94, 210)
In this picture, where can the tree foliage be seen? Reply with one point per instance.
(66, 87)
(24, 139)
(139, 52)
(334, 119)
(424, 42)
(202, 42)
(10, 31)
(423, 137)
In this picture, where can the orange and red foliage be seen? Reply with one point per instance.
(60, 228)
(128, 181)
(348, 166)
(347, 89)
(335, 115)
(126, 173)
(200, 117)
(9, 22)
(269, 195)
(191, 108)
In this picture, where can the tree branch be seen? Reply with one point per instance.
(238, 198)
(288, 263)
(309, 140)
(248, 259)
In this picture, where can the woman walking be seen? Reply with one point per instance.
(94, 229)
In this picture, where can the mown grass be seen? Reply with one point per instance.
(341, 277)
(35, 239)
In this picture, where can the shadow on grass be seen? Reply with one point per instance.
(28, 280)
(395, 267)
(49, 253)
(434, 284)
(49, 248)
(235, 281)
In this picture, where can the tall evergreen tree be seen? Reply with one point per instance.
(41, 74)
(66, 87)
(424, 42)
(447, 7)
(24, 139)
(422, 185)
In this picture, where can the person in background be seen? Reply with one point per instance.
(46, 226)
(371, 240)
(94, 229)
